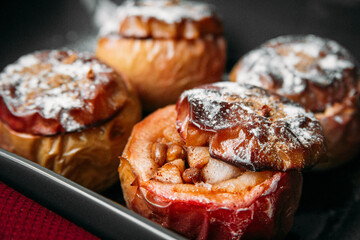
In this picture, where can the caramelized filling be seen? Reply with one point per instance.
(178, 163)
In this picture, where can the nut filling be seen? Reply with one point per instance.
(184, 189)
(178, 163)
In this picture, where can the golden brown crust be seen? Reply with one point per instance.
(88, 157)
(161, 69)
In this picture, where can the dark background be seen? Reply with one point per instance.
(43, 24)
(330, 204)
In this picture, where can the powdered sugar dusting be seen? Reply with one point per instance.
(250, 124)
(165, 10)
(333, 62)
(52, 83)
(226, 105)
(292, 61)
(214, 106)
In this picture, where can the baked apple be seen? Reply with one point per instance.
(250, 127)
(164, 47)
(68, 112)
(170, 174)
(318, 73)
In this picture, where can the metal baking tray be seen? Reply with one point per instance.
(329, 207)
(96, 213)
(330, 202)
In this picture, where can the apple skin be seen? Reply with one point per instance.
(266, 214)
(161, 78)
(336, 105)
(263, 132)
(100, 96)
(261, 210)
(28, 123)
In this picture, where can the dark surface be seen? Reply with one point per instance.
(41, 24)
(329, 208)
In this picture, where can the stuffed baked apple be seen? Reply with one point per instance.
(68, 112)
(164, 47)
(190, 167)
(318, 73)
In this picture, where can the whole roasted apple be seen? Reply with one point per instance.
(164, 47)
(318, 73)
(186, 190)
(68, 112)
(225, 163)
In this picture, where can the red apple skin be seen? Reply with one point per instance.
(33, 123)
(255, 205)
(268, 215)
(102, 95)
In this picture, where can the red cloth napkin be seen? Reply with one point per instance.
(22, 218)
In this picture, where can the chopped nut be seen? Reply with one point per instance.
(90, 75)
(159, 153)
(198, 157)
(179, 163)
(175, 152)
(191, 175)
(169, 173)
(265, 111)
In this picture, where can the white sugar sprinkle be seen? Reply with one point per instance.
(54, 88)
(328, 64)
(166, 11)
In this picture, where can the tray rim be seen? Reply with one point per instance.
(72, 201)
